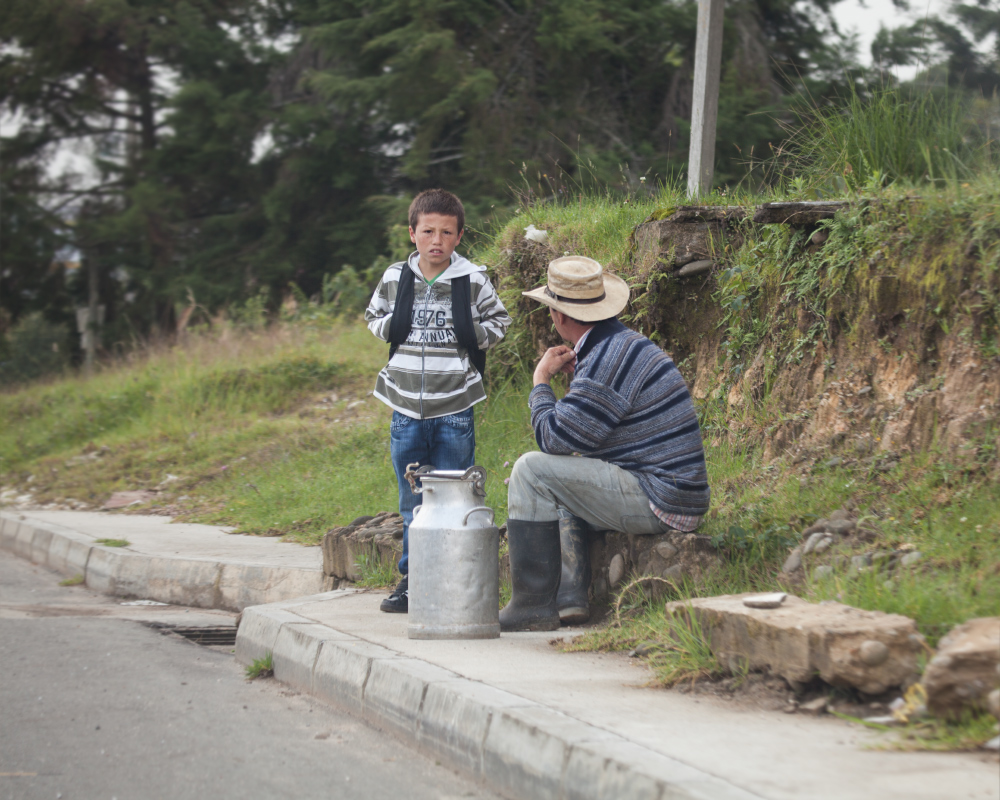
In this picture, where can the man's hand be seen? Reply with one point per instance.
(555, 360)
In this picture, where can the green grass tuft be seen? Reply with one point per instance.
(76, 580)
(114, 542)
(261, 667)
(376, 573)
(672, 644)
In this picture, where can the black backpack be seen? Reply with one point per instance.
(461, 312)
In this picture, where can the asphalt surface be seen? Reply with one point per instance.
(96, 704)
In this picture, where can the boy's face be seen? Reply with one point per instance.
(436, 237)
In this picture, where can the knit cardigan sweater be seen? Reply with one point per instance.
(628, 405)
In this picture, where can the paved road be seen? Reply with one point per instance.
(95, 704)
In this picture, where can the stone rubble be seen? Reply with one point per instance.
(844, 646)
(966, 669)
(814, 707)
(772, 600)
(993, 703)
(380, 536)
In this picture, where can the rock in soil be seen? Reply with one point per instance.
(793, 562)
(814, 707)
(800, 641)
(616, 569)
(966, 668)
(993, 703)
(772, 600)
(841, 527)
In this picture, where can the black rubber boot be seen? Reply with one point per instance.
(572, 600)
(534, 575)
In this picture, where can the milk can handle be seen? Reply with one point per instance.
(471, 511)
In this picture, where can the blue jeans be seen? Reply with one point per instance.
(446, 442)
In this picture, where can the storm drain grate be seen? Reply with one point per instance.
(217, 635)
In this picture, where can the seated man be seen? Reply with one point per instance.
(629, 414)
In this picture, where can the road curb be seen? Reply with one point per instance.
(518, 747)
(200, 583)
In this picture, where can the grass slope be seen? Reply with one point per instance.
(249, 426)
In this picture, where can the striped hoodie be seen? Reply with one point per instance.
(628, 405)
(430, 375)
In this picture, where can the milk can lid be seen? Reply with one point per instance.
(476, 474)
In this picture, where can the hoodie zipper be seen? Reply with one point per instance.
(423, 346)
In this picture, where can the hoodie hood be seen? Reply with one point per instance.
(458, 267)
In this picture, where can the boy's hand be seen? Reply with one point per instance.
(555, 360)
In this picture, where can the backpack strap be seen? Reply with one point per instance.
(461, 315)
(402, 311)
(461, 312)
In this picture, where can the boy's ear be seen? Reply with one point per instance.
(413, 236)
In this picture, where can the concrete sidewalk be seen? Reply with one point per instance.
(191, 565)
(527, 719)
(535, 722)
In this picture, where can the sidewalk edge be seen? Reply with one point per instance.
(519, 748)
(178, 581)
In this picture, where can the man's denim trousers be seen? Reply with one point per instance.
(446, 442)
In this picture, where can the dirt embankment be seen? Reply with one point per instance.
(870, 334)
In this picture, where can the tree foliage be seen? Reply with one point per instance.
(212, 150)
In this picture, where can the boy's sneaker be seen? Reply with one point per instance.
(399, 601)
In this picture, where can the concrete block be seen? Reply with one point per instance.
(708, 788)
(592, 776)
(22, 542)
(130, 572)
(67, 551)
(183, 582)
(243, 585)
(295, 652)
(101, 570)
(526, 750)
(58, 549)
(342, 669)
(395, 692)
(40, 543)
(75, 559)
(455, 717)
(612, 768)
(258, 632)
(301, 602)
(8, 531)
(845, 646)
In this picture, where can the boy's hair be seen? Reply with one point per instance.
(437, 201)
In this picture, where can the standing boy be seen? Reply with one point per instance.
(440, 313)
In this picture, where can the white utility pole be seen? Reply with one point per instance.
(705, 106)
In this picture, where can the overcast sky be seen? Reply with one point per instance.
(865, 16)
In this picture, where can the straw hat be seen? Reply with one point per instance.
(580, 287)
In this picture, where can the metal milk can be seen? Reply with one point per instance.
(454, 557)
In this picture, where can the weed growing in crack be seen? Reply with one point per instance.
(376, 572)
(261, 667)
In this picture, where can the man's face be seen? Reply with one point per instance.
(436, 237)
(559, 320)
